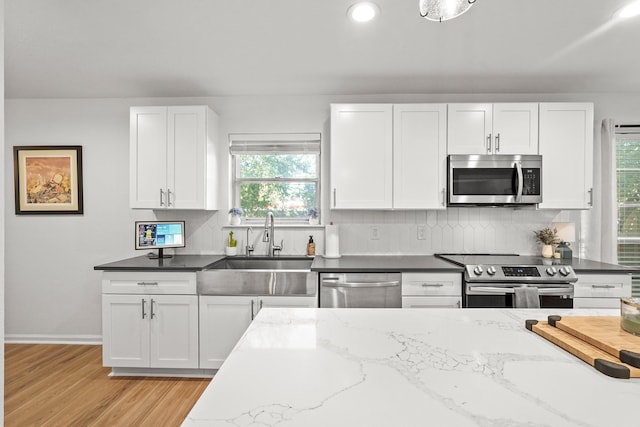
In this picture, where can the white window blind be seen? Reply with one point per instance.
(628, 184)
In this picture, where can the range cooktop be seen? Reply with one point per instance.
(512, 268)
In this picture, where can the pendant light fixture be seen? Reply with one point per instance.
(443, 10)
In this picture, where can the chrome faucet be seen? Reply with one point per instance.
(269, 230)
(249, 247)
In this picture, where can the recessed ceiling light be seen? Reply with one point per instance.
(630, 10)
(363, 11)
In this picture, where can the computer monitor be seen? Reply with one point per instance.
(160, 235)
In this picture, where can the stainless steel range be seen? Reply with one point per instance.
(497, 280)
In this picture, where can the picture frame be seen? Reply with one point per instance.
(48, 179)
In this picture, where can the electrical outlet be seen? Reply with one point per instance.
(374, 233)
(422, 232)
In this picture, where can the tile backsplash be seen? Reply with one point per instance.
(496, 230)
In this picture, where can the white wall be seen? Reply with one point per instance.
(52, 291)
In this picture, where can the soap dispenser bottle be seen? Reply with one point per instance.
(311, 247)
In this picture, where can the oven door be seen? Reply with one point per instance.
(501, 295)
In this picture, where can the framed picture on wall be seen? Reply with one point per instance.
(48, 179)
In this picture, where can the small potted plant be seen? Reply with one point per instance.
(232, 245)
(235, 216)
(313, 216)
(548, 237)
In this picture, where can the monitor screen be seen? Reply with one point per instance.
(160, 234)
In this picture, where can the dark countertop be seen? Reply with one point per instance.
(384, 263)
(432, 264)
(597, 267)
(176, 263)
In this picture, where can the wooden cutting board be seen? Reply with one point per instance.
(603, 332)
(601, 360)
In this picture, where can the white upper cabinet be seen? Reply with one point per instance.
(419, 156)
(361, 156)
(172, 157)
(388, 156)
(566, 146)
(504, 128)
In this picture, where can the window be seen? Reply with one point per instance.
(628, 183)
(276, 172)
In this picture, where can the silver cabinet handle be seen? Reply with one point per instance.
(458, 304)
(260, 308)
(603, 286)
(497, 143)
(432, 285)
(444, 197)
(152, 313)
(251, 309)
(147, 283)
(590, 196)
(334, 197)
(161, 197)
(144, 314)
(489, 144)
(168, 197)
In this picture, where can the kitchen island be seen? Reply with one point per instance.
(394, 367)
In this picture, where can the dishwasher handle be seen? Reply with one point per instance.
(335, 283)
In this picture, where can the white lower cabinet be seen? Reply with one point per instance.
(150, 331)
(223, 320)
(601, 290)
(431, 290)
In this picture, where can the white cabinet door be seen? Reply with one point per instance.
(172, 158)
(361, 156)
(223, 320)
(566, 146)
(469, 128)
(515, 128)
(504, 128)
(187, 156)
(125, 330)
(419, 156)
(148, 157)
(173, 323)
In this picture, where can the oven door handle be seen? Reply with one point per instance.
(360, 284)
(510, 290)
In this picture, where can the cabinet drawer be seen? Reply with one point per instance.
(431, 284)
(148, 282)
(431, 302)
(602, 286)
(596, 303)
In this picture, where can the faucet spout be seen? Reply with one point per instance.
(269, 230)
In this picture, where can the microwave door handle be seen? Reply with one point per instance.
(520, 182)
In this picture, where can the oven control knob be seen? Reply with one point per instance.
(478, 270)
(491, 270)
(551, 271)
(565, 271)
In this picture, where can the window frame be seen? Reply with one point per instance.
(270, 144)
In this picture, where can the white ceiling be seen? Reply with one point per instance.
(158, 48)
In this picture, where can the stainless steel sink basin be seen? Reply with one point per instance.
(259, 276)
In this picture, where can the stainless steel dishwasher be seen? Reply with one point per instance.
(361, 290)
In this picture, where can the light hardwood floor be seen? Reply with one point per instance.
(66, 385)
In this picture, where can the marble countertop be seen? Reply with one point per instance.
(409, 367)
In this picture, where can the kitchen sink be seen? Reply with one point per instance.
(259, 276)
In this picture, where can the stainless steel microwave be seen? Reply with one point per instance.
(494, 180)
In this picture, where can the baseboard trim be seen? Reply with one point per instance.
(162, 372)
(53, 339)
